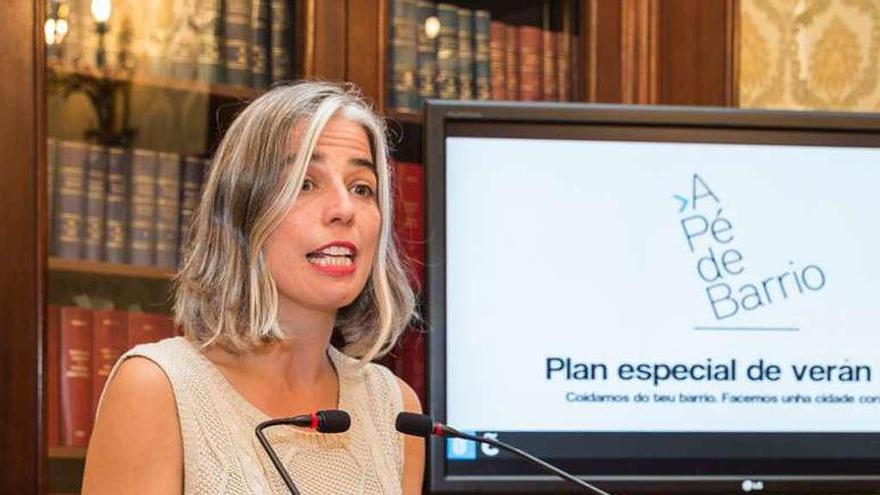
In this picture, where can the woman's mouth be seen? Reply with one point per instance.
(334, 259)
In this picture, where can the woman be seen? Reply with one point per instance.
(291, 249)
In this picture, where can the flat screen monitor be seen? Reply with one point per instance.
(653, 298)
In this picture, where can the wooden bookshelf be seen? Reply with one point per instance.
(67, 453)
(406, 117)
(226, 91)
(109, 269)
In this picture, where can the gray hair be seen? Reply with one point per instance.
(225, 295)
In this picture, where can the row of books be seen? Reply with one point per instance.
(121, 205)
(83, 345)
(241, 42)
(472, 57)
(407, 359)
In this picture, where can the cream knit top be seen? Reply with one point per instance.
(222, 454)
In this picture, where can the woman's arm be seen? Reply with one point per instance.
(136, 445)
(413, 447)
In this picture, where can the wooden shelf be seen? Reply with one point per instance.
(67, 453)
(109, 269)
(406, 117)
(230, 91)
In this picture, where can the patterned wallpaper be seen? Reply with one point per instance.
(810, 54)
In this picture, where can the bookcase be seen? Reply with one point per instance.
(155, 93)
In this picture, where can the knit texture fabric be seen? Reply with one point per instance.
(221, 451)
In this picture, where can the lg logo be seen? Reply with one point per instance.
(752, 485)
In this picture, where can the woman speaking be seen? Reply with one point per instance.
(290, 286)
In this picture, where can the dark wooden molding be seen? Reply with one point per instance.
(22, 252)
(324, 23)
(697, 52)
(366, 43)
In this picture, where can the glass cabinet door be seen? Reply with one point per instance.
(139, 94)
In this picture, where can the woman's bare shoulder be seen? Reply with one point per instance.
(136, 439)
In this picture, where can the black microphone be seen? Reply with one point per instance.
(421, 425)
(327, 421)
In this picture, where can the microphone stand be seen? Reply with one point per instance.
(452, 432)
(272, 455)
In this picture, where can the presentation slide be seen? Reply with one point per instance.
(613, 286)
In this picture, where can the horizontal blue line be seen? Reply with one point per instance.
(749, 329)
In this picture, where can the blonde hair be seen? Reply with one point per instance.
(224, 293)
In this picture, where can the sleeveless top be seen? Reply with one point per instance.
(221, 452)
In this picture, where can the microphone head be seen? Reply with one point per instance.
(333, 421)
(419, 425)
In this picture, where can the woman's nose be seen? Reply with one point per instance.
(339, 206)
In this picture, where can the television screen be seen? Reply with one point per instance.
(654, 298)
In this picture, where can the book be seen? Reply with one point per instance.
(116, 207)
(53, 372)
(548, 59)
(190, 192)
(409, 206)
(447, 52)
(76, 375)
(183, 41)
(426, 48)
(465, 54)
(146, 328)
(404, 91)
(260, 43)
(142, 209)
(109, 342)
(512, 62)
(410, 362)
(167, 210)
(482, 65)
(563, 66)
(208, 23)
(51, 172)
(281, 40)
(530, 65)
(237, 41)
(498, 59)
(95, 202)
(70, 200)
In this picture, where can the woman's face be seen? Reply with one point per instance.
(321, 253)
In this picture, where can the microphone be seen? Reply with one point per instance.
(326, 421)
(421, 425)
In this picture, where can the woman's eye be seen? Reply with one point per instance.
(363, 190)
(308, 185)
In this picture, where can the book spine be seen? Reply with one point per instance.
(548, 57)
(53, 369)
(51, 172)
(482, 65)
(209, 26)
(142, 234)
(409, 219)
(404, 93)
(410, 364)
(76, 376)
(260, 43)
(427, 52)
(109, 340)
(116, 212)
(529, 63)
(145, 328)
(498, 59)
(167, 210)
(281, 40)
(563, 66)
(70, 201)
(512, 62)
(237, 41)
(447, 52)
(183, 42)
(190, 192)
(465, 54)
(95, 202)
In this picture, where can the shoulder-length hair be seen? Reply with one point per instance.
(225, 295)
